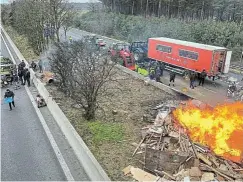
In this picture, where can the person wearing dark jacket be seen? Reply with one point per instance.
(172, 77)
(40, 64)
(157, 74)
(10, 94)
(33, 65)
(162, 67)
(192, 80)
(24, 75)
(23, 64)
(27, 76)
(202, 77)
(20, 74)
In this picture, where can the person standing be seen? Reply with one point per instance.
(192, 80)
(23, 64)
(20, 74)
(172, 77)
(157, 74)
(27, 76)
(9, 97)
(70, 39)
(16, 79)
(202, 77)
(33, 65)
(151, 73)
(40, 64)
(24, 75)
(162, 67)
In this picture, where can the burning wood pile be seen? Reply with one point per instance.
(177, 147)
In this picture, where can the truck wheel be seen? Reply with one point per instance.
(138, 56)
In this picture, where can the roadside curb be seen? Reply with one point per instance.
(82, 152)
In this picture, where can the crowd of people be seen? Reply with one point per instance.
(156, 71)
(20, 75)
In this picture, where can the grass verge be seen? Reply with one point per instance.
(22, 43)
(111, 132)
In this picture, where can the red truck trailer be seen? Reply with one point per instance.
(189, 55)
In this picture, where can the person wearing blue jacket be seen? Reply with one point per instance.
(9, 96)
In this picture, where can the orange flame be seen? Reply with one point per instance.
(220, 128)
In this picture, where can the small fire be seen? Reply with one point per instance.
(220, 128)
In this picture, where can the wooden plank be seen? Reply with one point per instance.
(229, 166)
(162, 173)
(204, 159)
(220, 173)
(138, 145)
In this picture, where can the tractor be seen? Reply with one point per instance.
(142, 63)
(120, 52)
(139, 50)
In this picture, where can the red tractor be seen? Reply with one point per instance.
(120, 52)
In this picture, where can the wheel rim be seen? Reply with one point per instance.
(136, 56)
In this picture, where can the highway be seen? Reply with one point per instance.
(26, 152)
(212, 93)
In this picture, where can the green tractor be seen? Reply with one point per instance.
(142, 63)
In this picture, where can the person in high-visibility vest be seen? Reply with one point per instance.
(70, 39)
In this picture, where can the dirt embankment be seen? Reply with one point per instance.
(118, 121)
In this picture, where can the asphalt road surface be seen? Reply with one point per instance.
(26, 153)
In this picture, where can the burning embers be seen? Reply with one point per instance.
(220, 128)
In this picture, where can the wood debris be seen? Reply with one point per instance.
(169, 153)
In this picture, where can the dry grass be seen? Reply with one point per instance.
(22, 43)
(131, 99)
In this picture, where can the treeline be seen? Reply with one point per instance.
(230, 10)
(134, 28)
(38, 20)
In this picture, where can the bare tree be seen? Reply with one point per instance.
(59, 11)
(61, 63)
(88, 76)
(92, 5)
(68, 22)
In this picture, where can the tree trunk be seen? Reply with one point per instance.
(90, 112)
(132, 7)
(146, 11)
(159, 8)
(141, 6)
(65, 32)
(202, 10)
(57, 34)
(168, 9)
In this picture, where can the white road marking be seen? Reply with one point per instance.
(53, 143)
